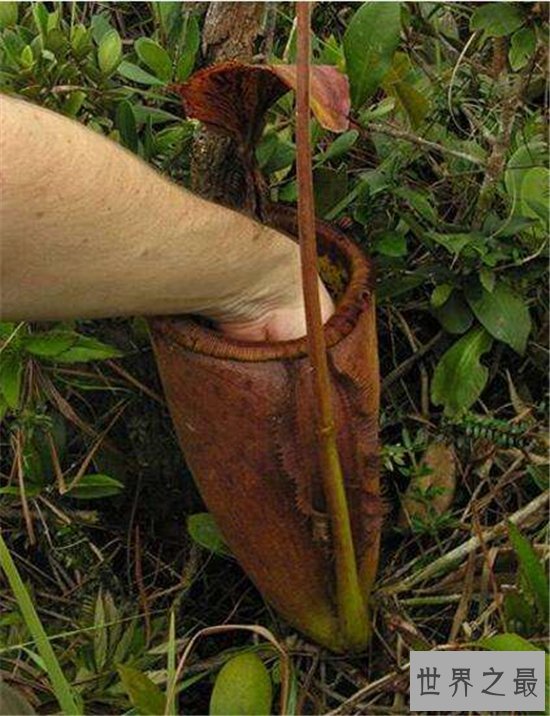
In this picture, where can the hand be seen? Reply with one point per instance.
(279, 323)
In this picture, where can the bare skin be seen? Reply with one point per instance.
(88, 230)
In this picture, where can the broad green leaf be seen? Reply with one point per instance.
(440, 294)
(74, 102)
(506, 642)
(531, 569)
(503, 313)
(204, 531)
(154, 57)
(370, 40)
(339, 147)
(100, 26)
(93, 487)
(522, 46)
(519, 614)
(242, 688)
(459, 377)
(3, 411)
(535, 194)
(191, 45)
(86, 349)
(274, 153)
(155, 115)
(109, 52)
(391, 243)
(487, 279)
(330, 187)
(40, 17)
(415, 104)
(126, 125)
(81, 41)
(26, 58)
(49, 343)
(144, 694)
(525, 157)
(134, 73)
(420, 201)
(454, 314)
(454, 243)
(8, 14)
(11, 374)
(412, 102)
(497, 19)
(6, 330)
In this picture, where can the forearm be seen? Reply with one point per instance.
(89, 230)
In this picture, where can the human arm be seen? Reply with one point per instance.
(88, 230)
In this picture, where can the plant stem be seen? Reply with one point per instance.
(352, 612)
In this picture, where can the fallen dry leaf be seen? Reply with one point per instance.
(441, 461)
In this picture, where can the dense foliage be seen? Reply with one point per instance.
(443, 178)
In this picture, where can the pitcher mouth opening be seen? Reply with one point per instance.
(347, 272)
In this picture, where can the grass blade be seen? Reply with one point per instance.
(61, 687)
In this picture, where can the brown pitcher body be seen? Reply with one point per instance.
(244, 417)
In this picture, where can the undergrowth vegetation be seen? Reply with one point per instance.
(443, 179)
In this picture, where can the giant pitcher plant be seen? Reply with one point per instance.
(282, 438)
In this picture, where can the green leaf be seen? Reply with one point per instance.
(531, 569)
(49, 343)
(503, 313)
(26, 58)
(154, 57)
(74, 103)
(454, 243)
(191, 45)
(126, 124)
(274, 153)
(412, 102)
(93, 487)
(66, 697)
(440, 294)
(40, 17)
(81, 42)
(535, 194)
(523, 160)
(100, 640)
(330, 188)
(100, 26)
(454, 315)
(341, 145)
(11, 373)
(109, 53)
(242, 688)
(204, 531)
(497, 19)
(134, 73)
(86, 349)
(506, 642)
(487, 279)
(8, 14)
(145, 696)
(391, 243)
(459, 377)
(369, 43)
(522, 46)
(518, 613)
